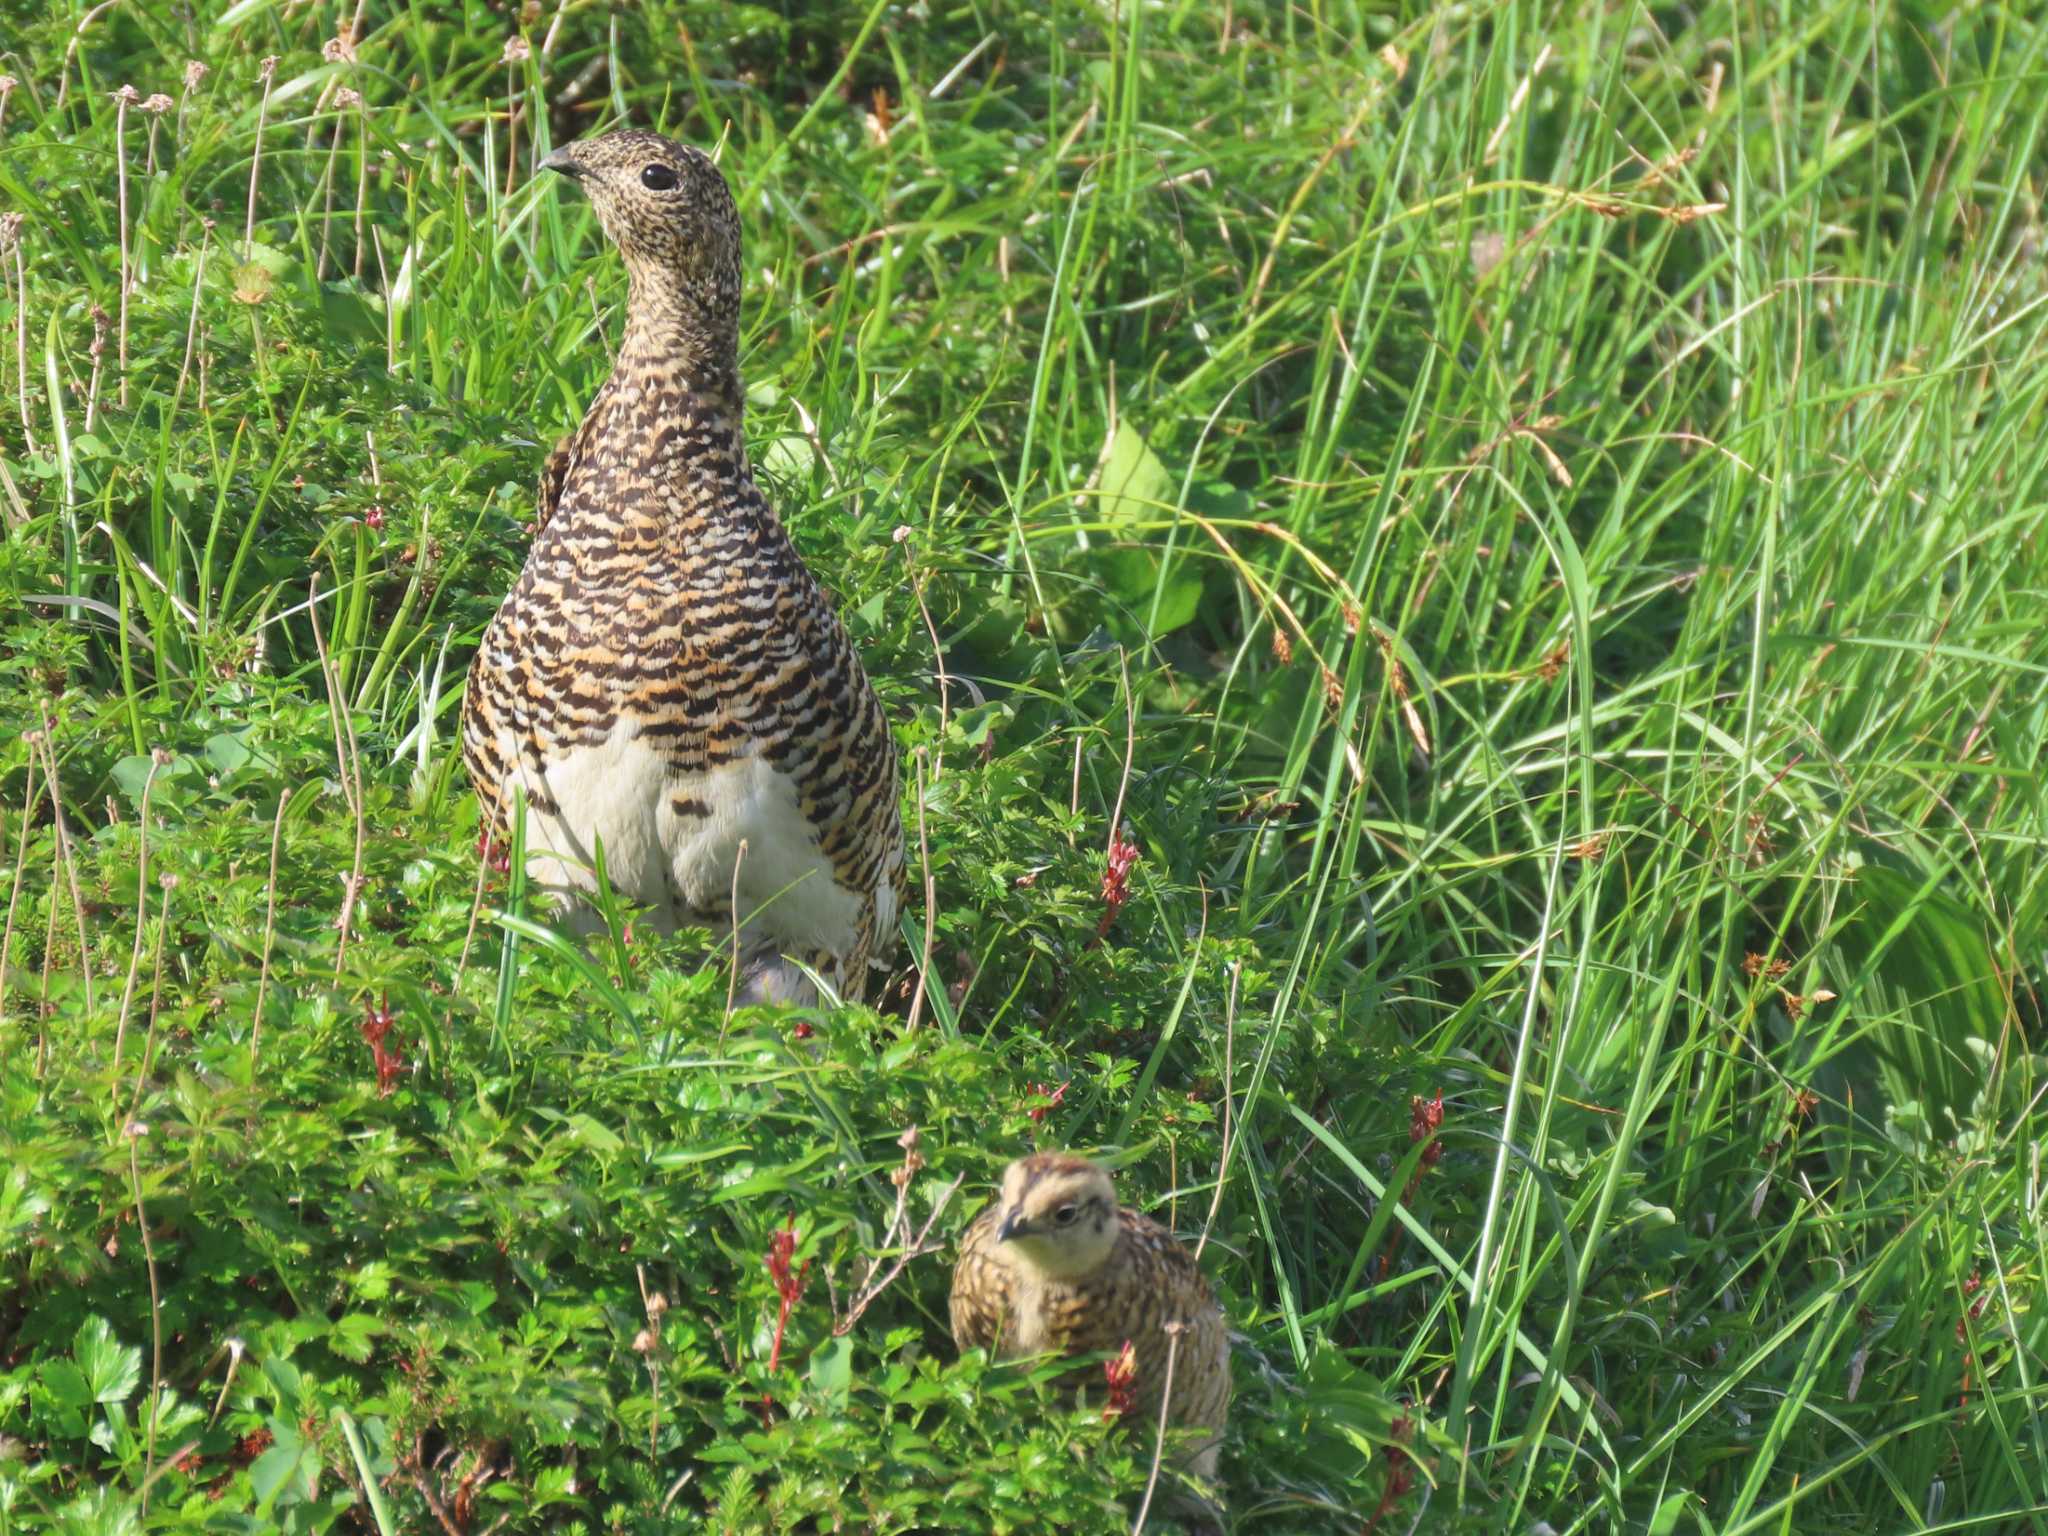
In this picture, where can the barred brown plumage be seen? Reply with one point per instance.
(666, 679)
(1054, 1265)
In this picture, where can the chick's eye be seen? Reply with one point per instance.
(658, 178)
(1065, 1215)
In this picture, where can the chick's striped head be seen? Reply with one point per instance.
(1058, 1214)
(670, 213)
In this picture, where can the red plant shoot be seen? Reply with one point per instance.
(1424, 1116)
(497, 856)
(1050, 1095)
(788, 1285)
(1400, 1468)
(1971, 1287)
(1116, 880)
(387, 1060)
(1122, 1375)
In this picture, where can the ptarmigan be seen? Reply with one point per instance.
(1055, 1266)
(666, 679)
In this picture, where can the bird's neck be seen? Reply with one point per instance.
(664, 382)
(681, 331)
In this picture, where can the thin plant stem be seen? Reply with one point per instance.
(134, 1131)
(924, 864)
(11, 226)
(157, 760)
(1223, 1152)
(167, 883)
(43, 741)
(28, 816)
(938, 654)
(347, 762)
(124, 98)
(1173, 1332)
(732, 978)
(269, 931)
(266, 72)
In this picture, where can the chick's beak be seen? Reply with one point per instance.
(563, 163)
(1013, 1225)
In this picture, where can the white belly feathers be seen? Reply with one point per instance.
(620, 792)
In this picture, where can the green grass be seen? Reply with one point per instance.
(1538, 518)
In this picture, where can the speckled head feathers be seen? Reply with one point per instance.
(1058, 1213)
(670, 213)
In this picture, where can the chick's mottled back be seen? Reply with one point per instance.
(1056, 1266)
(666, 679)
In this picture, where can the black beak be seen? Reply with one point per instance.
(1013, 1225)
(563, 163)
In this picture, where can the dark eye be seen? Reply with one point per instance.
(658, 177)
(1065, 1215)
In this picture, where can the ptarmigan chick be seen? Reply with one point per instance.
(1055, 1266)
(666, 680)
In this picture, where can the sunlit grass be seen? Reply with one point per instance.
(1536, 517)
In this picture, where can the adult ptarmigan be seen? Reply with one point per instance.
(666, 680)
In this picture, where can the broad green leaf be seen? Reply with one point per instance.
(832, 1369)
(111, 1369)
(1134, 485)
(289, 1470)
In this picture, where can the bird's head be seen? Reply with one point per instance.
(1058, 1214)
(670, 213)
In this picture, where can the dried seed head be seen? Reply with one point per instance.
(1692, 211)
(7, 85)
(266, 68)
(161, 756)
(517, 50)
(128, 96)
(339, 49)
(644, 1341)
(10, 229)
(158, 104)
(344, 97)
(913, 1158)
(194, 73)
(657, 1307)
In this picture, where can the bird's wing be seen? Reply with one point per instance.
(981, 1285)
(1159, 1255)
(1168, 1287)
